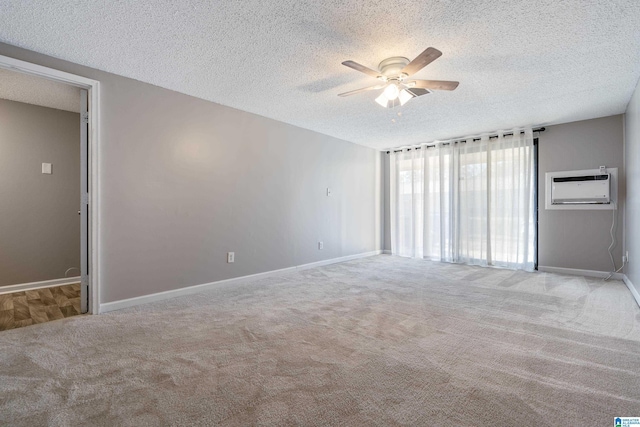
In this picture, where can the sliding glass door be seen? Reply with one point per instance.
(470, 202)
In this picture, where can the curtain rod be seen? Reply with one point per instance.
(542, 129)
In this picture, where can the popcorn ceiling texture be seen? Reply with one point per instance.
(519, 62)
(22, 87)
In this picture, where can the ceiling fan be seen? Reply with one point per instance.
(394, 75)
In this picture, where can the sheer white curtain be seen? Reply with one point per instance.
(407, 180)
(469, 202)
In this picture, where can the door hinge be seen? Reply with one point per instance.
(85, 118)
(85, 198)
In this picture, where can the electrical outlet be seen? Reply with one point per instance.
(320, 246)
(626, 257)
(231, 257)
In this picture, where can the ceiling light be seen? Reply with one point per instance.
(383, 100)
(391, 92)
(393, 96)
(404, 96)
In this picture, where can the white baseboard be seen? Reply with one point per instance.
(593, 273)
(578, 272)
(387, 251)
(632, 288)
(38, 285)
(144, 299)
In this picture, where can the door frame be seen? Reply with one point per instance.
(536, 195)
(93, 86)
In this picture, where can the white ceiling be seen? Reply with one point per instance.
(519, 62)
(20, 87)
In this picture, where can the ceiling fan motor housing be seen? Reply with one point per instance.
(392, 67)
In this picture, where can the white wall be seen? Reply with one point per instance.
(632, 165)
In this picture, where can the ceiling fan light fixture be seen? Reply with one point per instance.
(404, 96)
(383, 100)
(391, 92)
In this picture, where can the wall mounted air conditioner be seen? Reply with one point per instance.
(593, 189)
(584, 189)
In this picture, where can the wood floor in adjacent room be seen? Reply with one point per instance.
(26, 308)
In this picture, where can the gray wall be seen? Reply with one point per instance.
(39, 221)
(632, 162)
(579, 239)
(185, 180)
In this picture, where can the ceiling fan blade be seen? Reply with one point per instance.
(429, 55)
(433, 84)
(364, 89)
(362, 69)
(417, 91)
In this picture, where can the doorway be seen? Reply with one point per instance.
(83, 273)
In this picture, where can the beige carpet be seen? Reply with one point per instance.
(377, 341)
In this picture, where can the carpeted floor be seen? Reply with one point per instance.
(376, 341)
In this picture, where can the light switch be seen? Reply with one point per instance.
(46, 168)
(328, 192)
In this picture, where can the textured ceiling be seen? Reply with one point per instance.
(21, 87)
(518, 62)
